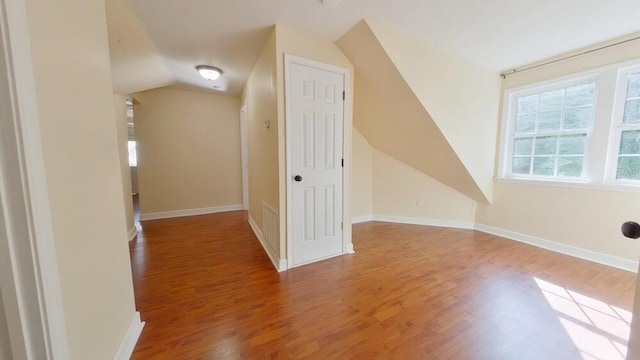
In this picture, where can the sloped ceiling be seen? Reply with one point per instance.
(497, 34)
(390, 115)
(136, 65)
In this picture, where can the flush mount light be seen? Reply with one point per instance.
(209, 72)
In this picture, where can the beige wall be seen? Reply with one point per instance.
(295, 42)
(76, 114)
(188, 150)
(261, 99)
(120, 107)
(361, 176)
(462, 98)
(587, 218)
(135, 62)
(384, 186)
(5, 345)
(399, 190)
(392, 118)
(264, 93)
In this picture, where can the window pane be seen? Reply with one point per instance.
(528, 104)
(522, 146)
(543, 165)
(521, 165)
(570, 166)
(580, 94)
(631, 112)
(572, 144)
(525, 123)
(633, 89)
(578, 118)
(133, 157)
(551, 100)
(549, 121)
(546, 145)
(630, 142)
(628, 168)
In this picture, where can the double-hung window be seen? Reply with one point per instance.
(628, 131)
(549, 131)
(583, 128)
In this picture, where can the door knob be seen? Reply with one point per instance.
(631, 230)
(297, 178)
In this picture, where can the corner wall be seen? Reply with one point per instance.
(294, 42)
(5, 344)
(82, 168)
(188, 152)
(583, 217)
(120, 108)
(261, 98)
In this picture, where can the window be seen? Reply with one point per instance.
(133, 156)
(583, 128)
(628, 159)
(551, 129)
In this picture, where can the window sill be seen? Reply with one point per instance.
(572, 184)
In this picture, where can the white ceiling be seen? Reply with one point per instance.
(499, 34)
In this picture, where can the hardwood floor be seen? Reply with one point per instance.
(207, 291)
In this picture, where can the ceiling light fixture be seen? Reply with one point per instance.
(209, 72)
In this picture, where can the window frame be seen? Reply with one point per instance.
(617, 127)
(508, 134)
(601, 156)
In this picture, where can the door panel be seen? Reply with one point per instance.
(316, 141)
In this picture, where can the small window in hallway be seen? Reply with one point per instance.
(133, 157)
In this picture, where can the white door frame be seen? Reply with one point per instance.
(245, 155)
(347, 245)
(29, 278)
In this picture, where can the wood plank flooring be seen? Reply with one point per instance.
(207, 291)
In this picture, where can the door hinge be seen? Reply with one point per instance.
(343, 95)
(342, 163)
(341, 226)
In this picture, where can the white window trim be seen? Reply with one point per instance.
(603, 140)
(617, 127)
(508, 124)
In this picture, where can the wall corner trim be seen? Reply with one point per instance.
(190, 212)
(589, 255)
(133, 232)
(128, 344)
(279, 264)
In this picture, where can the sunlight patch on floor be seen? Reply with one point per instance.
(599, 330)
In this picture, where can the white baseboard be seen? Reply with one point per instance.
(589, 255)
(361, 219)
(128, 344)
(279, 264)
(422, 221)
(189, 212)
(133, 232)
(349, 249)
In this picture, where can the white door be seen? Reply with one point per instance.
(315, 120)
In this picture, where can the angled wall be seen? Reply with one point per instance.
(424, 107)
(135, 62)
